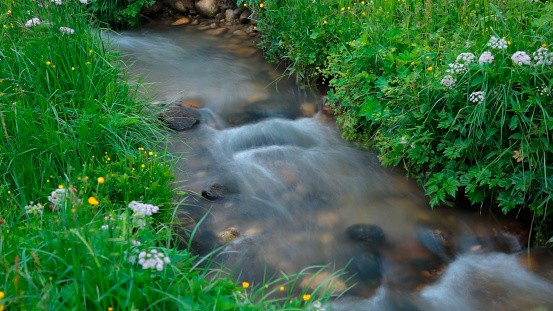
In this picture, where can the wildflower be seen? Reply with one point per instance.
(93, 201)
(448, 81)
(83, 1)
(150, 153)
(477, 97)
(325, 22)
(343, 9)
(521, 58)
(110, 309)
(509, 42)
(306, 297)
(101, 180)
(245, 284)
(136, 243)
(518, 156)
(72, 68)
(465, 58)
(60, 187)
(544, 90)
(57, 197)
(430, 68)
(34, 209)
(48, 63)
(486, 57)
(104, 227)
(542, 56)
(33, 22)
(138, 221)
(496, 43)
(143, 208)
(2, 295)
(153, 260)
(261, 5)
(58, 2)
(143, 165)
(544, 45)
(67, 30)
(282, 288)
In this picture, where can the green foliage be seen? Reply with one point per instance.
(387, 63)
(118, 13)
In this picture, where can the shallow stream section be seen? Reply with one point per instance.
(273, 190)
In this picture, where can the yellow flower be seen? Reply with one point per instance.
(2, 295)
(245, 4)
(509, 42)
(544, 45)
(47, 180)
(110, 309)
(343, 9)
(53, 66)
(261, 5)
(306, 297)
(362, 2)
(90, 51)
(427, 57)
(1, 307)
(101, 180)
(349, 8)
(504, 38)
(245, 284)
(143, 165)
(430, 68)
(93, 201)
(5, 26)
(109, 158)
(363, 13)
(48, 63)
(88, 63)
(60, 186)
(412, 63)
(72, 68)
(282, 288)
(86, 177)
(150, 153)
(9, 12)
(325, 22)
(72, 210)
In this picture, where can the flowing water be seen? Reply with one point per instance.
(273, 190)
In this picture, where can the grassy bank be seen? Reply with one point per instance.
(86, 210)
(458, 92)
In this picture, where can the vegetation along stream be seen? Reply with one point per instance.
(273, 190)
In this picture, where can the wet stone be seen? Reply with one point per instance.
(181, 21)
(372, 235)
(214, 192)
(438, 242)
(180, 118)
(217, 32)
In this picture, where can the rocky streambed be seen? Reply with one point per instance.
(272, 190)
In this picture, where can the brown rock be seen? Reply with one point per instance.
(308, 109)
(194, 22)
(191, 104)
(245, 16)
(217, 32)
(180, 118)
(245, 51)
(328, 219)
(228, 235)
(181, 21)
(240, 33)
(326, 282)
(213, 25)
(207, 7)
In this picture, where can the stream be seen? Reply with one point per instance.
(272, 190)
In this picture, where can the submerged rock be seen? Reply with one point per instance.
(372, 235)
(214, 192)
(180, 118)
(438, 242)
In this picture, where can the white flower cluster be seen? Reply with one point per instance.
(138, 220)
(104, 227)
(152, 260)
(67, 30)
(486, 57)
(33, 22)
(448, 81)
(316, 306)
(542, 56)
(143, 208)
(544, 91)
(58, 2)
(57, 197)
(461, 63)
(477, 97)
(34, 209)
(496, 43)
(83, 1)
(521, 58)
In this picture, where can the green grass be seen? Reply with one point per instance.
(78, 143)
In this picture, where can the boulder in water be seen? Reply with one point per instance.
(372, 235)
(438, 242)
(180, 118)
(214, 192)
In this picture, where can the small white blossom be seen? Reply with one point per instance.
(477, 97)
(521, 58)
(542, 56)
(544, 91)
(152, 260)
(496, 43)
(57, 197)
(456, 68)
(138, 220)
(465, 58)
(448, 81)
(58, 2)
(104, 227)
(83, 1)
(34, 209)
(67, 30)
(143, 208)
(33, 22)
(486, 57)
(136, 243)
